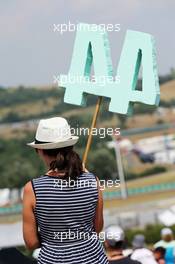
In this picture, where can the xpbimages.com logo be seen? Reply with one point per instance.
(78, 235)
(101, 132)
(70, 183)
(83, 80)
(71, 27)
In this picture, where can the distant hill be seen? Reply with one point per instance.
(21, 104)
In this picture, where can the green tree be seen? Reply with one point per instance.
(102, 163)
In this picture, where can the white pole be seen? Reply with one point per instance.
(124, 193)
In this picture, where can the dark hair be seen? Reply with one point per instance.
(67, 160)
(116, 245)
(161, 250)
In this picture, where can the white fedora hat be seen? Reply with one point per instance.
(53, 133)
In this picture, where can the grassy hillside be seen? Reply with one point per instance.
(23, 104)
(150, 198)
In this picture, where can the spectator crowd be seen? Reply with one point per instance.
(162, 252)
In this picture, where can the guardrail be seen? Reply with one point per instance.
(109, 195)
(13, 209)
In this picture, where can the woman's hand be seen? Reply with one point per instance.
(30, 231)
(84, 168)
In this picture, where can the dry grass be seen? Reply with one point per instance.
(10, 219)
(144, 120)
(139, 199)
(167, 91)
(149, 180)
(34, 108)
(142, 198)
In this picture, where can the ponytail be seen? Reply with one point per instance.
(66, 160)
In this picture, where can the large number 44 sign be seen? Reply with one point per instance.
(93, 47)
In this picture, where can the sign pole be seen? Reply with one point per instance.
(93, 125)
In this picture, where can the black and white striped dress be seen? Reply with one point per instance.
(65, 212)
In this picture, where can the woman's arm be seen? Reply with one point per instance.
(98, 220)
(30, 232)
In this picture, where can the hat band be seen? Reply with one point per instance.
(44, 142)
(41, 142)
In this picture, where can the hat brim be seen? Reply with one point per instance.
(60, 144)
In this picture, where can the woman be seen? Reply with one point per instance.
(63, 209)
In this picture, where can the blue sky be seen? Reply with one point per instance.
(31, 53)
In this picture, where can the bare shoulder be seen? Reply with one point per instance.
(28, 189)
(28, 194)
